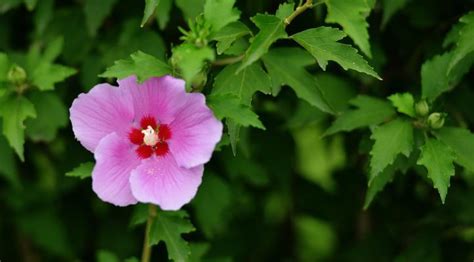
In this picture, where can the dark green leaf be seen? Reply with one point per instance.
(84, 170)
(51, 115)
(140, 64)
(15, 110)
(390, 7)
(96, 12)
(322, 43)
(404, 103)
(286, 66)
(150, 6)
(465, 42)
(228, 106)
(168, 226)
(438, 159)
(271, 28)
(370, 111)
(163, 12)
(351, 15)
(462, 142)
(220, 13)
(228, 34)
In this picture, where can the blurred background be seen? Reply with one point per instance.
(287, 195)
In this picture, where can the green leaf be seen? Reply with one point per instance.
(150, 6)
(220, 13)
(351, 15)
(43, 15)
(96, 12)
(190, 8)
(163, 12)
(4, 66)
(404, 103)
(228, 34)
(462, 142)
(84, 170)
(438, 159)
(243, 84)
(8, 168)
(284, 10)
(465, 42)
(30, 4)
(390, 7)
(370, 111)
(53, 50)
(315, 239)
(234, 134)
(271, 28)
(15, 110)
(228, 106)
(168, 226)
(378, 182)
(212, 205)
(106, 256)
(140, 64)
(337, 90)
(391, 139)
(190, 60)
(322, 43)
(51, 115)
(46, 75)
(286, 66)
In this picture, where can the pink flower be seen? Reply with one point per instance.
(150, 141)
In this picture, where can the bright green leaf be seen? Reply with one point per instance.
(190, 60)
(150, 6)
(51, 115)
(391, 139)
(243, 84)
(168, 226)
(404, 103)
(228, 34)
(322, 43)
(4, 66)
(163, 12)
(140, 64)
(438, 159)
(286, 66)
(220, 13)
(284, 10)
(84, 170)
(370, 111)
(15, 110)
(96, 12)
(228, 106)
(351, 15)
(465, 42)
(46, 75)
(53, 50)
(315, 239)
(462, 142)
(190, 8)
(106, 256)
(271, 28)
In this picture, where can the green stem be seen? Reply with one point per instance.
(300, 9)
(146, 253)
(228, 60)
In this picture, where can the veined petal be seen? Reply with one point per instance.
(159, 97)
(115, 159)
(105, 109)
(162, 182)
(195, 132)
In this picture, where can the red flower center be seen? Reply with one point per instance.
(151, 138)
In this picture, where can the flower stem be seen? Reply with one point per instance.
(300, 9)
(228, 60)
(146, 253)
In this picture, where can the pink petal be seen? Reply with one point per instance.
(105, 109)
(159, 97)
(162, 182)
(115, 159)
(194, 132)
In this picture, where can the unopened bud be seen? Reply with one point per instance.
(422, 108)
(16, 75)
(436, 120)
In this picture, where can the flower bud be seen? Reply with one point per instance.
(16, 75)
(436, 120)
(422, 108)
